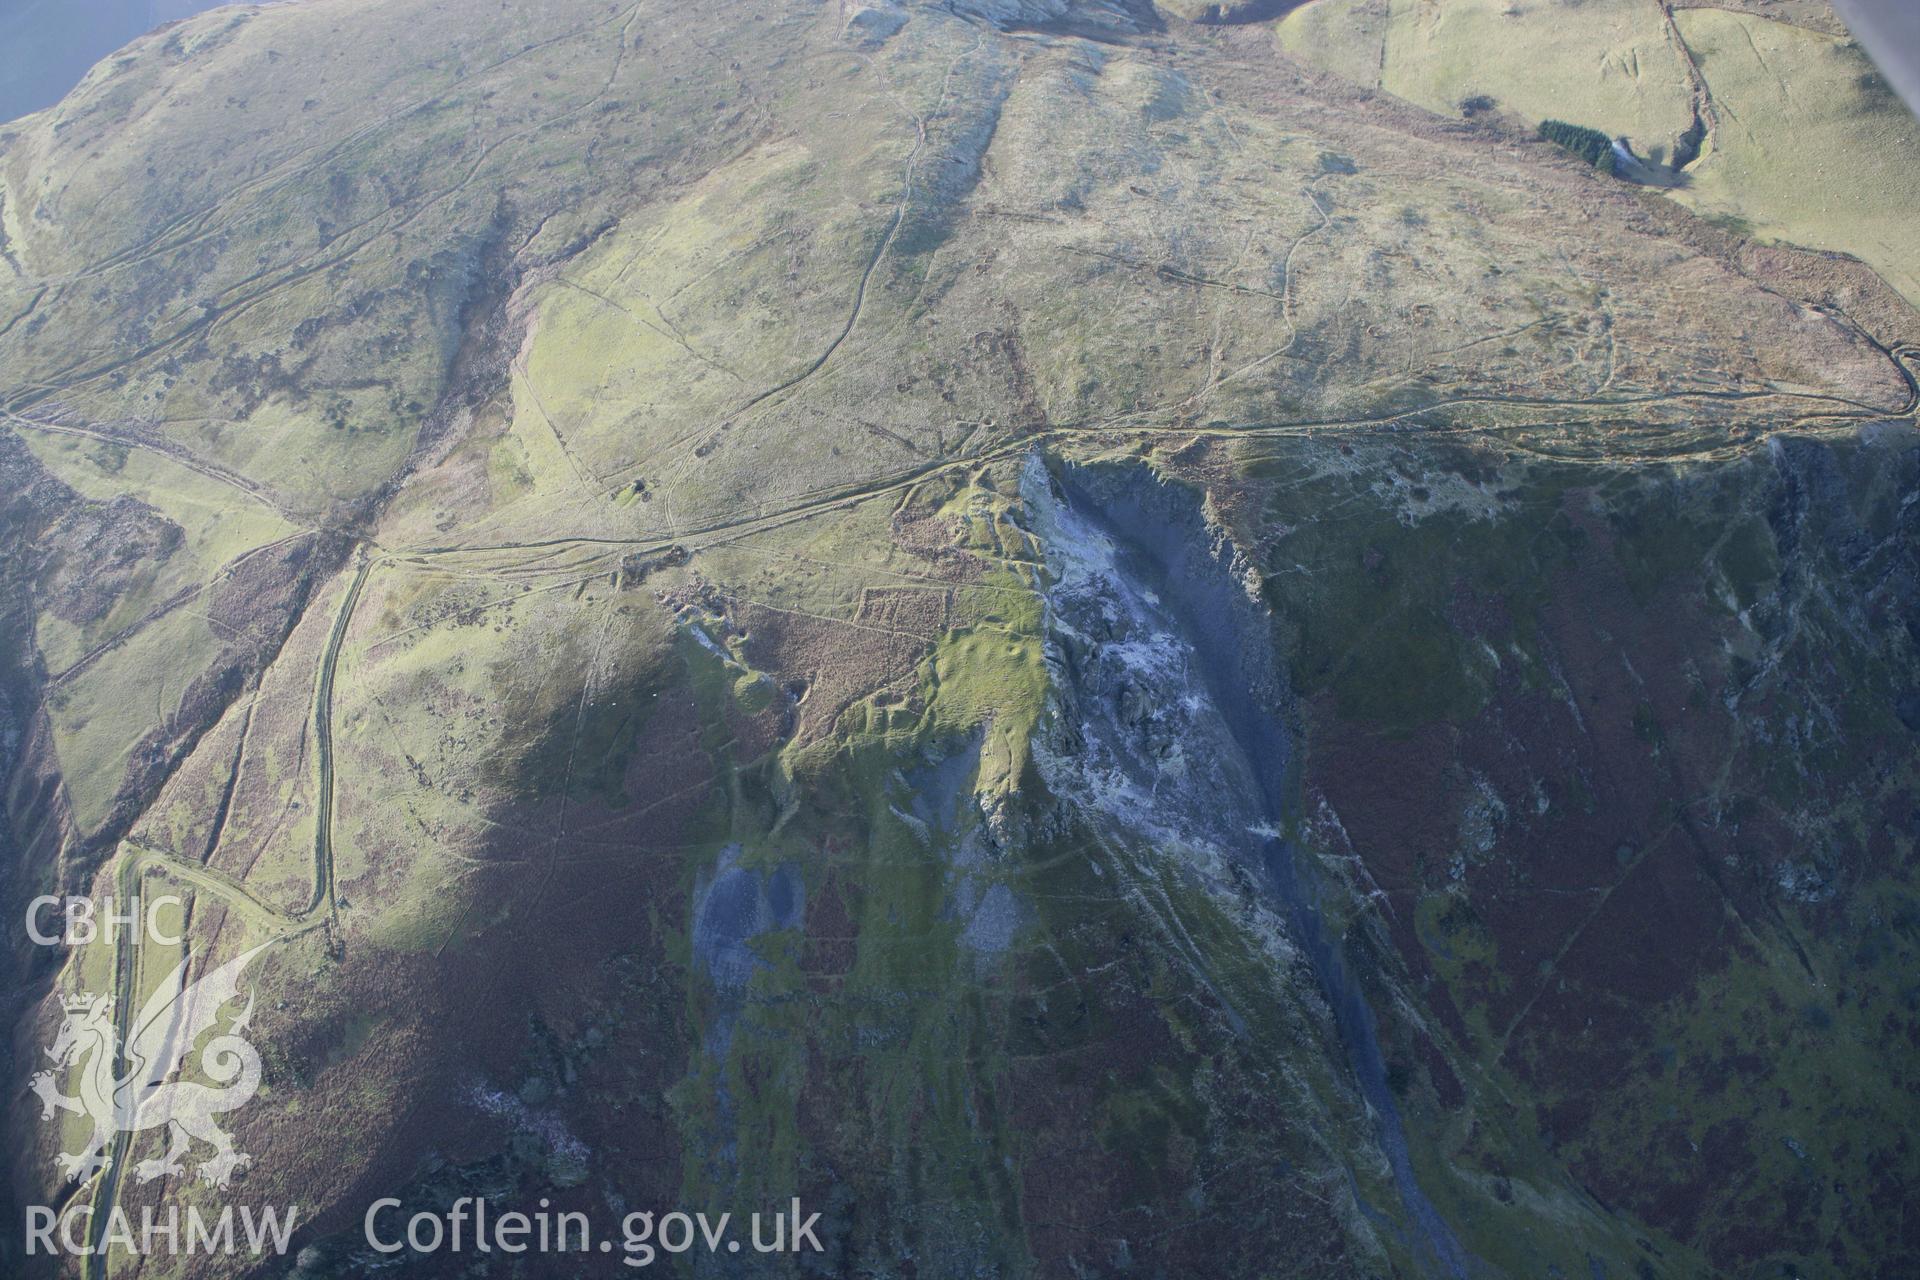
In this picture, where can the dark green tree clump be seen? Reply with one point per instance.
(1591, 145)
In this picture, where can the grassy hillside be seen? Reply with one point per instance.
(1809, 145)
(1784, 131)
(556, 517)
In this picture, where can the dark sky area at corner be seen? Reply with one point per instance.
(47, 45)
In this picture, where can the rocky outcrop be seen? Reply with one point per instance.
(1170, 726)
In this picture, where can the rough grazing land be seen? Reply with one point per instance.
(1099, 650)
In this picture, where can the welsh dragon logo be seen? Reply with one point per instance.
(159, 1041)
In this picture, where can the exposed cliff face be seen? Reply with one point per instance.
(1716, 852)
(1170, 727)
(1136, 622)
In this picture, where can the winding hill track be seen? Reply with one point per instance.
(323, 743)
(137, 859)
